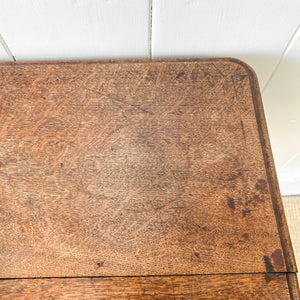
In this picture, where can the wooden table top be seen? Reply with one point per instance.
(139, 168)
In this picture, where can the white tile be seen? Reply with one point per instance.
(288, 188)
(281, 100)
(255, 31)
(70, 29)
(3, 55)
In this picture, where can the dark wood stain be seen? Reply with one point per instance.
(180, 74)
(230, 202)
(261, 186)
(243, 130)
(100, 264)
(269, 268)
(268, 264)
(246, 212)
(245, 236)
(277, 257)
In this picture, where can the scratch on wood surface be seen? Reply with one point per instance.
(234, 87)
(218, 70)
(243, 130)
(121, 101)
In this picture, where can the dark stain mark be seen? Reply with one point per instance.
(246, 212)
(197, 254)
(100, 264)
(190, 194)
(231, 203)
(268, 277)
(194, 75)
(268, 264)
(254, 200)
(232, 177)
(205, 228)
(269, 268)
(278, 258)
(258, 198)
(180, 74)
(244, 134)
(245, 236)
(61, 164)
(261, 186)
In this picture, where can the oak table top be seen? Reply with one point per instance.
(139, 179)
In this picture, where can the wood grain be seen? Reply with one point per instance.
(239, 286)
(136, 168)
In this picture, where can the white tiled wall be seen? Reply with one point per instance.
(282, 107)
(69, 29)
(261, 32)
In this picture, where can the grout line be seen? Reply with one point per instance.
(287, 47)
(150, 28)
(7, 50)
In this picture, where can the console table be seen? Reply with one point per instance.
(139, 179)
